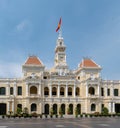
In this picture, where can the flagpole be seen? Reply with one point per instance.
(60, 33)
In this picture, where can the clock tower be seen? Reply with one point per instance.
(60, 55)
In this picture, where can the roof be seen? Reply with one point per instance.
(88, 63)
(33, 60)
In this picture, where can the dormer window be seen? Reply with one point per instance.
(45, 77)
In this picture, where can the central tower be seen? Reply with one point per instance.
(60, 56)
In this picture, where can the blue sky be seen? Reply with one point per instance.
(90, 28)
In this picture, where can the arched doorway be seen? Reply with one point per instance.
(33, 90)
(79, 108)
(33, 107)
(19, 106)
(3, 108)
(46, 108)
(55, 108)
(63, 108)
(70, 108)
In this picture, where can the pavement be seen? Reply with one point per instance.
(99, 122)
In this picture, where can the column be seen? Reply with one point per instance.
(13, 107)
(8, 89)
(109, 107)
(27, 90)
(15, 89)
(58, 90)
(113, 107)
(105, 92)
(66, 90)
(50, 91)
(86, 90)
(8, 107)
(74, 91)
(39, 89)
(98, 90)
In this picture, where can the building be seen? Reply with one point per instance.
(40, 90)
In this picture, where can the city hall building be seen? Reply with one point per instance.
(39, 89)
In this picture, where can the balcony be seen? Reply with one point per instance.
(34, 96)
(93, 96)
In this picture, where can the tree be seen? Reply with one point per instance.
(19, 110)
(105, 111)
(76, 112)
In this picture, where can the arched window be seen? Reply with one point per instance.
(54, 91)
(93, 107)
(33, 107)
(2, 91)
(69, 91)
(77, 91)
(62, 91)
(46, 91)
(91, 91)
(33, 90)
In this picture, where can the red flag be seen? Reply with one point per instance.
(59, 24)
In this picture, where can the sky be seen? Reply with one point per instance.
(90, 28)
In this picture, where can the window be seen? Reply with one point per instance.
(69, 91)
(108, 92)
(93, 107)
(46, 91)
(91, 91)
(115, 92)
(77, 92)
(19, 90)
(54, 91)
(33, 90)
(11, 90)
(102, 91)
(62, 91)
(45, 77)
(2, 91)
(33, 107)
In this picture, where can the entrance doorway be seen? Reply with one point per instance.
(2, 109)
(117, 108)
(46, 108)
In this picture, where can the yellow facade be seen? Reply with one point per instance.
(39, 89)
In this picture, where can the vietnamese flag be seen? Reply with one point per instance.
(59, 24)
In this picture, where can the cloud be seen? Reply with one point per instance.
(22, 25)
(10, 70)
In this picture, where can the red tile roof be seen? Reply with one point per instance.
(89, 63)
(33, 60)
